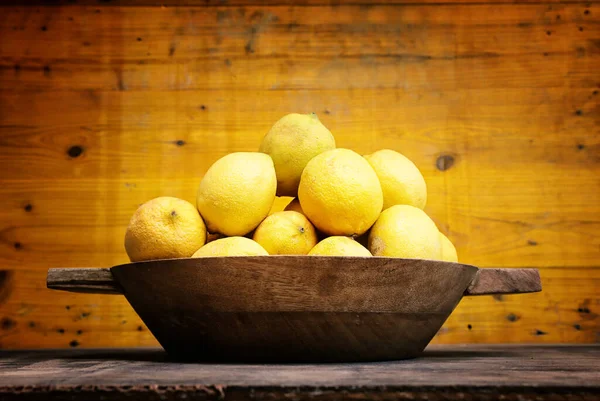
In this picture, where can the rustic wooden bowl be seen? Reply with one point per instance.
(294, 308)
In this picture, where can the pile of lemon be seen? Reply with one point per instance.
(344, 204)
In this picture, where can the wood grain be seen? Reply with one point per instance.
(234, 3)
(104, 106)
(504, 281)
(87, 281)
(436, 48)
(294, 308)
(488, 281)
(445, 373)
(124, 139)
(566, 311)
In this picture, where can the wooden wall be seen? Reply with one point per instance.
(104, 105)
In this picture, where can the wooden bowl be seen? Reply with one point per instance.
(294, 308)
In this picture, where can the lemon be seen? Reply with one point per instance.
(401, 181)
(294, 206)
(448, 250)
(237, 192)
(230, 246)
(280, 203)
(286, 233)
(164, 228)
(340, 193)
(339, 246)
(407, 232)
(292, 142)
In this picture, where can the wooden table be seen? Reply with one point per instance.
(443, 373)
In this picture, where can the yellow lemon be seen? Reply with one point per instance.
(286, 233)
(294, 205)
(292, 142)
(448, 250)
(340, 193)
(237, 192)
(164, 228)
(280, 203)
(401, 181)
(230, 246)
(339, 246)
(405, 231)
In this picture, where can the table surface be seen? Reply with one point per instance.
(443, 372)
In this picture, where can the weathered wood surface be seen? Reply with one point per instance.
(444, 373)
(287, 308)
(495, 281)
(220, 3)
(90, 280)
(295, 308)
(104, 106)
(68, 319)
(488, 281)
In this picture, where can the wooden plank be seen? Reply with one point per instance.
(565, 311)
(542, 317)
(443, 373)
(298, 3)
(35, 317)
(306, 73)
(441, 47)
(451, 31)
(126, 129)
(82, 223)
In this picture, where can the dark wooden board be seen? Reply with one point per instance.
(445, 372)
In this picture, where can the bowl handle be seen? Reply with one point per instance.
(489, 281)
(87, 280)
